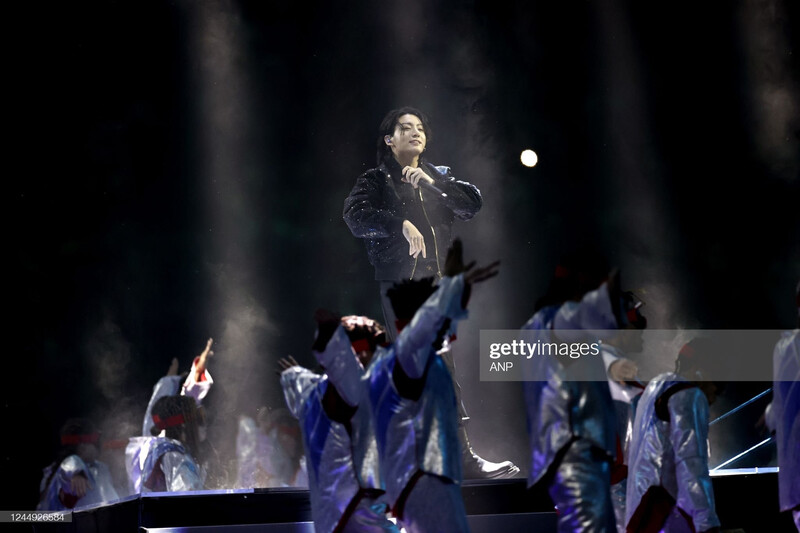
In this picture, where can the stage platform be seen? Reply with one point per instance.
(746, 500)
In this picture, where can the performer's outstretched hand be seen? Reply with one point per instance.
(454, 265)
(173, 367)
(416, 242)
(203, 361)
(285, 363)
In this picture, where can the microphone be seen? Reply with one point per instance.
(432, 188)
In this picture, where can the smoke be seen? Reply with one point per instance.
(109, 355)
(775, 103)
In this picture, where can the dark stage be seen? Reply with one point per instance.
(180, 171)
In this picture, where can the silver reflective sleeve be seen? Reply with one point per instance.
(297, 383)
(342, 367)
(413, 345)
(688, 433)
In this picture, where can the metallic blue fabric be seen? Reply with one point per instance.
(339, 466)
(559, 409)
(146, 454)
(674, 453)
(101, 491)
(419, 433)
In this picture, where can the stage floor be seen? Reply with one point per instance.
(746, 500)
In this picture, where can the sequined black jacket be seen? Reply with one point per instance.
(379, 202)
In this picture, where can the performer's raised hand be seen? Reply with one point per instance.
(416, 242)
(414, 175)
(200, 368)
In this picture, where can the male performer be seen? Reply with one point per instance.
(404, 208)
(406, 226)
(669, 487)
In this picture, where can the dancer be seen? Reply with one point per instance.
(669, 487)
(571, 421)
(336, 424)
(167, 462)
(414, 401)
(76, 479)
(165, 457)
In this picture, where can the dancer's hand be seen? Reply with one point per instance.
(416, 242)
(285, 363)
(454, 265)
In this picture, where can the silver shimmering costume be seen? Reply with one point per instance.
(59, 490)
(416, 422)
(571, 423)
(783, 416)
(674, 453)
(341, 456)
(160, 464)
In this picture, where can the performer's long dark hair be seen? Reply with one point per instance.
(168, 407)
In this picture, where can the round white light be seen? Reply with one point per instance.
(529, 158)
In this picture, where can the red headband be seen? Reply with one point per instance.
(115, 444)
(89, 438)
(174, 420)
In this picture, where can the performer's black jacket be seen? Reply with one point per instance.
(379, 202)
